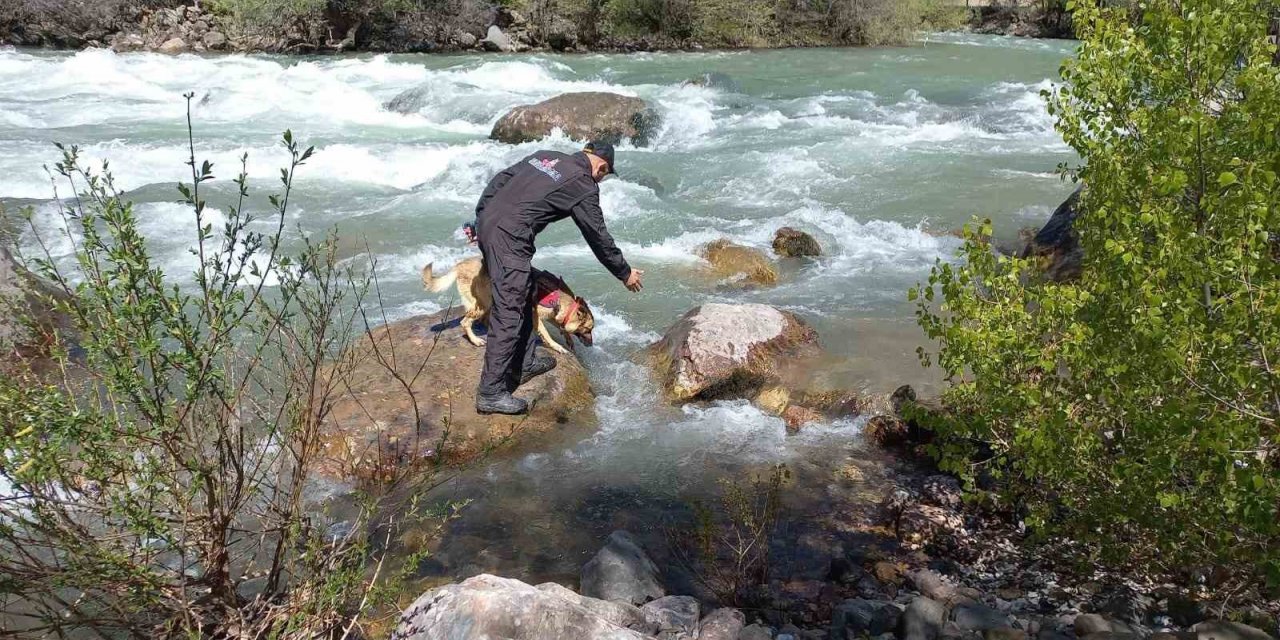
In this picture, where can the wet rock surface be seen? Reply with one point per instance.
(582, 116)
(735, 265)
(385, 423)
(1057, 245)
(794, 243)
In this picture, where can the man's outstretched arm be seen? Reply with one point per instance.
(590, 220)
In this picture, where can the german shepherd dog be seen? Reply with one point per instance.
(554, 301)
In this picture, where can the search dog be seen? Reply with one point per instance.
(553, 302)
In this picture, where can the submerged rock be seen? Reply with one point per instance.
(581, 116)
(736, 264)
(723, 351)
(715, 80)
(410, 101)
(789, 242)
(378, 428)
(486, 607)
(622, 571)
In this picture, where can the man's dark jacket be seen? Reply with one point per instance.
(543, 188)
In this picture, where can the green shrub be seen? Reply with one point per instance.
(1137, 407)
(155, 488)
(728, 547)
(669, 18)
(265, 12)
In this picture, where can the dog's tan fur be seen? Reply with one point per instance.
(474, 287)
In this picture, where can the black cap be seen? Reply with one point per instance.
(605, 151)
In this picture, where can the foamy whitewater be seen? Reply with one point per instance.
(877, 152)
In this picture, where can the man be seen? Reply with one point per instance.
(517, 205)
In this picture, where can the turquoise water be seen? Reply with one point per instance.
(877, 152)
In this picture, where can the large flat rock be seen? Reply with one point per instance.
(383, 422)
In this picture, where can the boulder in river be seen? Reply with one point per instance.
(384, 423)
(409, 101)
(735, 264)
(789, 242)
(719, 351)
(582, 116)
(622, 571)
(487, 607)
(1057, 244)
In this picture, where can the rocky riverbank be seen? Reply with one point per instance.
(901, 594)
(178, 26)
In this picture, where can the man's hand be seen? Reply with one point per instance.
(633, 280)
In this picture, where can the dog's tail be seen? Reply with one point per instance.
(436, 285)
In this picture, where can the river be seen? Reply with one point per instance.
(877, 152)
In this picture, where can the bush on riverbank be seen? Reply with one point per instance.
(1138, 407)
(157, 485)
(756, 23)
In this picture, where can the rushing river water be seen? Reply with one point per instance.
(875, 151)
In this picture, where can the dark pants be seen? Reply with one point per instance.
(509, 344)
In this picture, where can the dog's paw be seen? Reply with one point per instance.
(479, 342)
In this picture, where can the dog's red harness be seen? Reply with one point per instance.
(552, 300)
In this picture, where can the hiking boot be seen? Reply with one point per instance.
(537, 366)
(500, 403)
